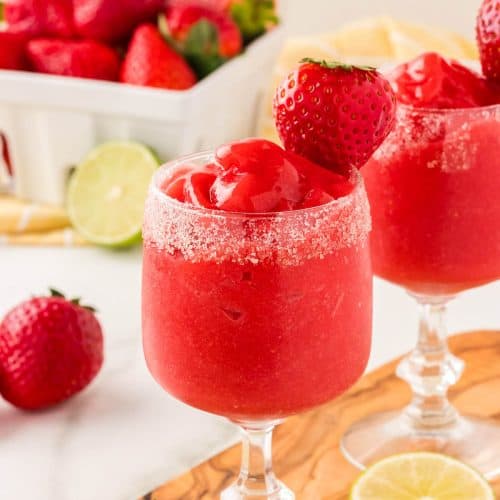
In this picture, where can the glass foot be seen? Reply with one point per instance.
(239, 492)
(472, 440)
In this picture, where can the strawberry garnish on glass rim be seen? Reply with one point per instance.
(334, 114)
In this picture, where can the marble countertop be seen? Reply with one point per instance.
(124, 435)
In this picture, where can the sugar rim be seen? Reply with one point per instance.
(354, 176)
(447, 111)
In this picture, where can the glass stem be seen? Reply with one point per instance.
(256, 478)
(430, 369)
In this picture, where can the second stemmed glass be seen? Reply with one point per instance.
(434, 189)
(256, 317)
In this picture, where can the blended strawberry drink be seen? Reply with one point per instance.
(257, 306)
(434, 184)
(257, 281)
(434, 189)
(264, 311)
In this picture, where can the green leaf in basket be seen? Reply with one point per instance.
(201, 48)
(254, 17)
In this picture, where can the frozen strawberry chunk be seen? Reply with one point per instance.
(256, 176)
(431, 81)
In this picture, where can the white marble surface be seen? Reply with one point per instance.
(124, 435)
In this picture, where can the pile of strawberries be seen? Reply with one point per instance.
(155, 43)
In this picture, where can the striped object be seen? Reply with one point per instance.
(26, 223)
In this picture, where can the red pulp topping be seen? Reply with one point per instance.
(431, 81)
(255, 175)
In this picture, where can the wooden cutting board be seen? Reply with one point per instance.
(306, 453)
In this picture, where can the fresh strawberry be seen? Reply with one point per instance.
(12, 51)
(182, 19)
(432, 81)
(254, 17)
(77, 58)
(205, 35)
(50, 349)
(488, 38)
(334, 114)
(112, 20)
(151, 62)
(40, 17)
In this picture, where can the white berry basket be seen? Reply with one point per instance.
(51, 123)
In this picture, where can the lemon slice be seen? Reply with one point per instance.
(421, 476)
(107, 191)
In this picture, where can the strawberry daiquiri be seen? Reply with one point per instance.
(256, 287)
(434, 189)
(263, 314)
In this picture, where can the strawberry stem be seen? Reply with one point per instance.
(336, 64)
(75, 301)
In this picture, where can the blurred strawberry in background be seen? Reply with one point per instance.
(40, 17)
(184, 21)
(209, 32)
(206, 36)
(112, 20)
(50, 349)
(78, 58)
(83, 38)
(12, 51)
(151, 62)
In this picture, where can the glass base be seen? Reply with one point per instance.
(472, 440)
(237, 492)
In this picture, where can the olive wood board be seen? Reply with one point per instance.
(306, 450)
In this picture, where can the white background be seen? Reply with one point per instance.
(311, 16)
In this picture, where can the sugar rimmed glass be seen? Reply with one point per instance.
(434, 192)
(256, 317)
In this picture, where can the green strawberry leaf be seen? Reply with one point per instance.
(336, 64)
(76, 301)
(2, 15)
(254, 17)
(201, 48)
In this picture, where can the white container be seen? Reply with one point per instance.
(52, 122)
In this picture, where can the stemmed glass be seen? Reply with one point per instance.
(434, 189)
(256, 317)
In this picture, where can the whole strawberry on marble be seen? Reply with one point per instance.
(334, 114)
(50, 349)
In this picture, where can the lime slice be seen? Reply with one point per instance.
(107, 191)
(421, 476)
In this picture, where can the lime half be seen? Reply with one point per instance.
(421, 476)
(107, 191)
